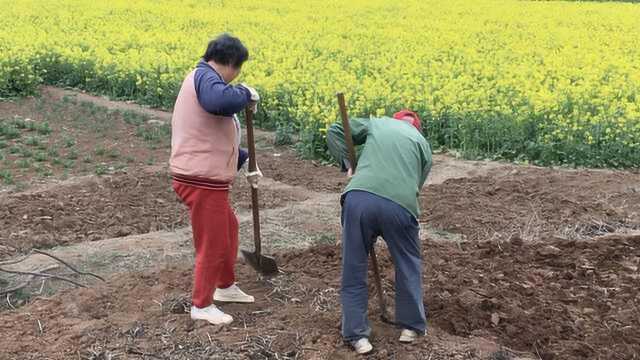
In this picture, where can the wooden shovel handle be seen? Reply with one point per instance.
(254, 192)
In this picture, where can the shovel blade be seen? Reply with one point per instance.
(265, 265)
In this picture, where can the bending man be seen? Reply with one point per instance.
(381, 199)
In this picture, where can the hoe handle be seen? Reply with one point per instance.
(352, 159)
(347, 132)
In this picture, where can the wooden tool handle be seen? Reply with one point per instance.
(352, 159)
(254, 192)
(347, 133)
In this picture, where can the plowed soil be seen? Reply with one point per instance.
(534, 203)
(571, 300)
(96, 208)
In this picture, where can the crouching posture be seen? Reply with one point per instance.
(205, 158)
(381, 199)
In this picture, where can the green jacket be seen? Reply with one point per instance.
(394, 162)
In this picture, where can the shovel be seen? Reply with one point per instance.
(352, 159)
(262, 264)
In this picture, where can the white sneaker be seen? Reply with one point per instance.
(408, 336)
(362, 346)
(212, 314)
(232, 294)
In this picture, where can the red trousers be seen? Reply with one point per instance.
(215, 238)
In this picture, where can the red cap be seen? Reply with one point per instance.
(408, 113)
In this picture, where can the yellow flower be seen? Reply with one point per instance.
(460, 67)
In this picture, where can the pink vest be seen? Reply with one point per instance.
(204, 147)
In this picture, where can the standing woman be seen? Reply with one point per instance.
(205, 158)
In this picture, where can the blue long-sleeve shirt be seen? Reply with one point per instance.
(215, 95)
(219, 98)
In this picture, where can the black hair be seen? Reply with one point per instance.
(226, 50)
